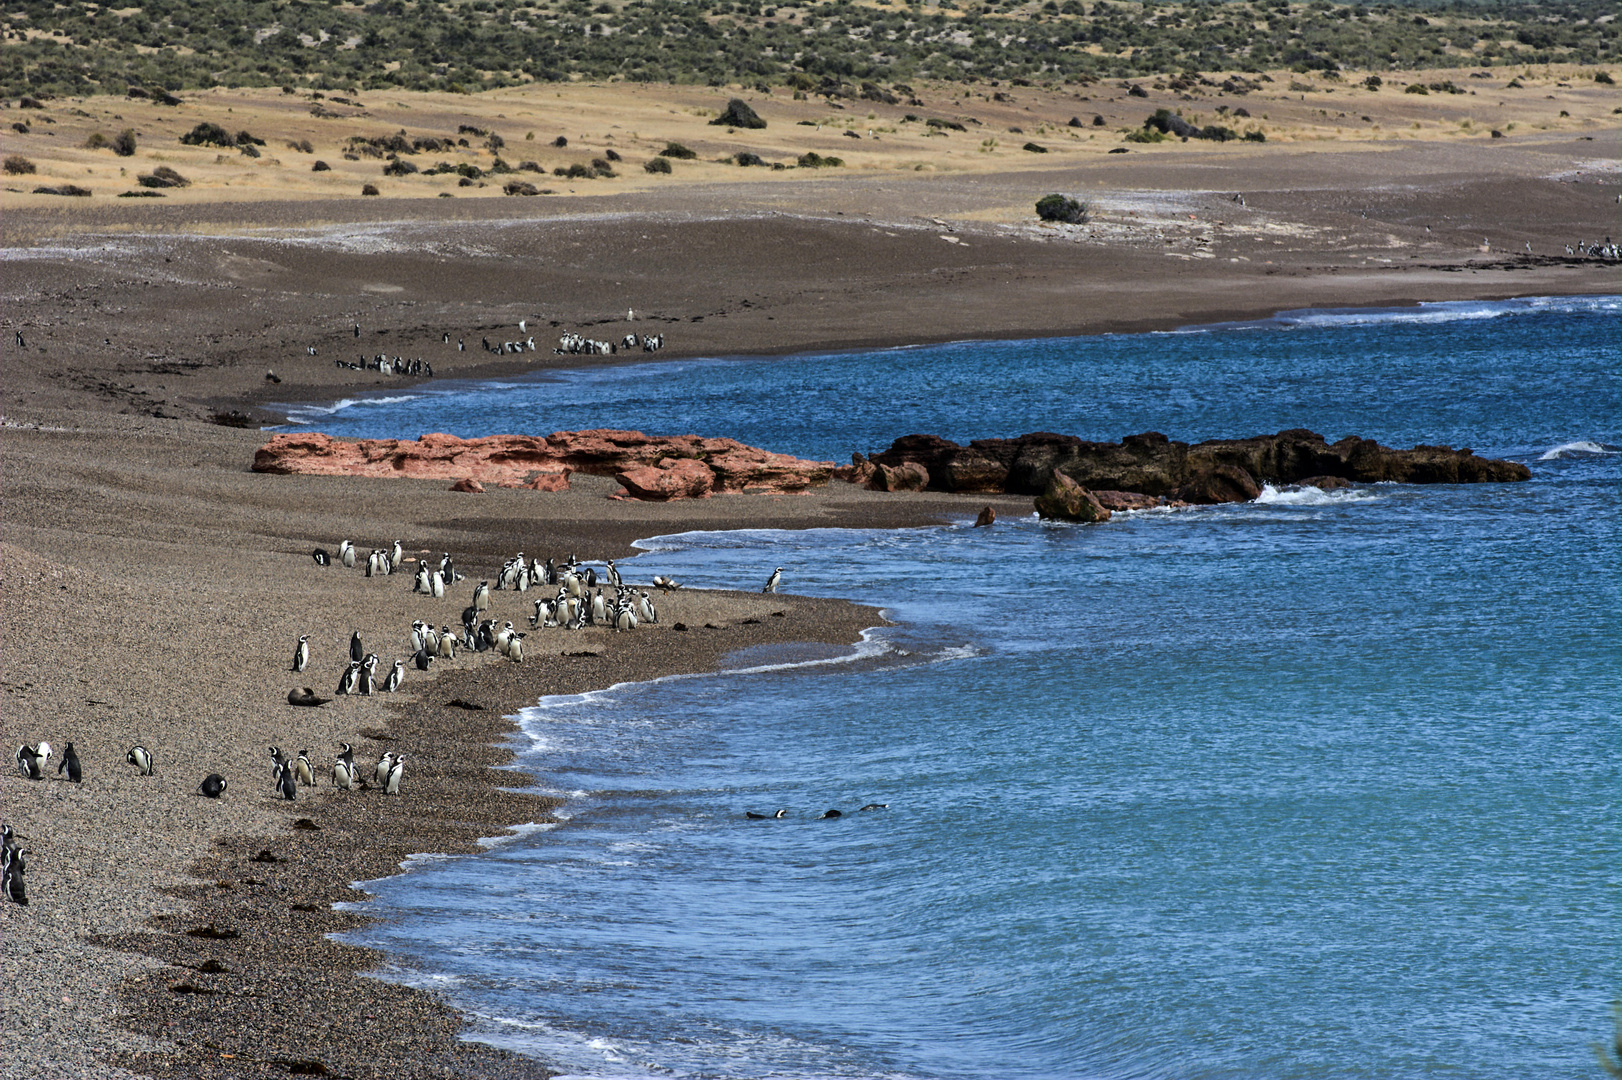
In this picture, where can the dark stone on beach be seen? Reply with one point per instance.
(907, 476)
(1218, 470)
(1126, 500)
(1066, 500)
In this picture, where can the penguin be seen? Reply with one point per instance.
(515, 648)
(830, 815)
(396, 556)
(357, 329)
(285, 784)
(773, 581)
(380, 772)
(599, 608)
(357, 652)
(419, 583)
(614, 575)
(481, 597)
(346, 554)
(321, 556)
(591, 578)
(70, 762)
(752, 816)
(422, 659)
(213, 785)
(346, 754)
(447, 644)
(32, 760)
(877, 806)
(301, 653)
(342, 775)
(350, 680)
(625, 620)
(395, 677)
(436, 585)
(11, 876)
(430, 639)
(305, 697)
(391, 786)
(141, 758)
(278, 759)
(301, 769)
(503, 636)
(366, 680)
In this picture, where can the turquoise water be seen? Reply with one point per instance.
(1317, 786)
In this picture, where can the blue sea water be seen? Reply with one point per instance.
(1323, 785)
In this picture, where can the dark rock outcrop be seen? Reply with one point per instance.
(1066, 500)
(1219, 470)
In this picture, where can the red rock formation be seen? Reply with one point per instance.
(688, 466)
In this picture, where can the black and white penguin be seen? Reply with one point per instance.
(380, 772)
(515, 648)
(366, 680)
(877, 806)
(396, 556)
(346, 554)
(395, 677)
(301, 769)
(301, 653)
(751, 815)
(11, 876)
(213, 785)
(349, 682)
(481, 597)
(391, 786)
(773, 581)
(70, 762)
(285, 783)
(32, 760)
(346, 754)
(343, 775)
(447, 644)
(357, 652)
(321, 556)
(422, 659)
(278, 759)
(614, 575)
(829, 815)
(141, 758)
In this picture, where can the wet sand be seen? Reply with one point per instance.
(154, 587)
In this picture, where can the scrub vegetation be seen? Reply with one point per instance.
(162, 47)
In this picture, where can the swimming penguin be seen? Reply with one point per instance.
(380, 773)
(285, 784)
(349, 682)
(392, 785)
(829, 815)
(751, 815)
(877, 806)
(321, 557)
(773, 581)
(141, 758)
(346, 554)
(70, 762)
(357, 652)
(305, 697)
(301, 769)
(301, 653)
(32, 760)
(213, 785)
(396, 676)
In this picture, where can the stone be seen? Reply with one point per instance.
(1126, 500)
(908, 476)
(468, 484)
(544, 464)
(1324, 483)
(672, 478)
(1066, 500)
(738, 114)
(1219, 484)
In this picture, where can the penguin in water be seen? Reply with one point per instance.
(752, 816)
(357, 651)
(772, 582)
(301, 769)
(70, 762)
(830, 815)
(877, 806)
(32, 760)
(141, 758)
(391, 785)
(301, 653)
(346, 554)
(213, 785)
(395, 677)
(285, 784)
(321, 556)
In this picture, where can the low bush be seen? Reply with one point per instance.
(603, 168)
(142, 194)
(301, 145)
(17, 165)
(63, 189)
(398, 167)
(1416, 88)
(162, 177)
(612, 155)
(519, 187)
(529, 166)
(124, 143)
(747, 157)
(677, 150)
(370, 189)
(1604, 77)
(1035, 148)
(1061, 208)
(1256, 136)
(657, 165)
(560, 142)
(206, 134)
(95, 141)
(951, 125)
(738, 114)
(320, 166)
(814, 160)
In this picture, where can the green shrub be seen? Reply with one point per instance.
(520, 187)
(738, 114)
(1061, 208)
(1035, 148)
(1604, 77)
(677, 150)
(95, 141)
(657, 165)
(937, 122)
(1256, 136)
(747, 157)
(814, 160)
(1416, 88)
(206, 134)
(397, 167)
(64, 189)
(124, 143)
(163, 177)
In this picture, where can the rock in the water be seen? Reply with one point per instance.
(1219, 484)
(738, 114)
(1067, 500)
(1126, 500)
(987, 517)
(1325, 483)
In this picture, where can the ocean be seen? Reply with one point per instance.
(1323, 785)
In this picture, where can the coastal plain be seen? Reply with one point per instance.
(154, 586)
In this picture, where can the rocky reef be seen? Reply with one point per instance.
(1083, 481)
(649, 467)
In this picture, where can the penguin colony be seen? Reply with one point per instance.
(570, 344)
(579, 596)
